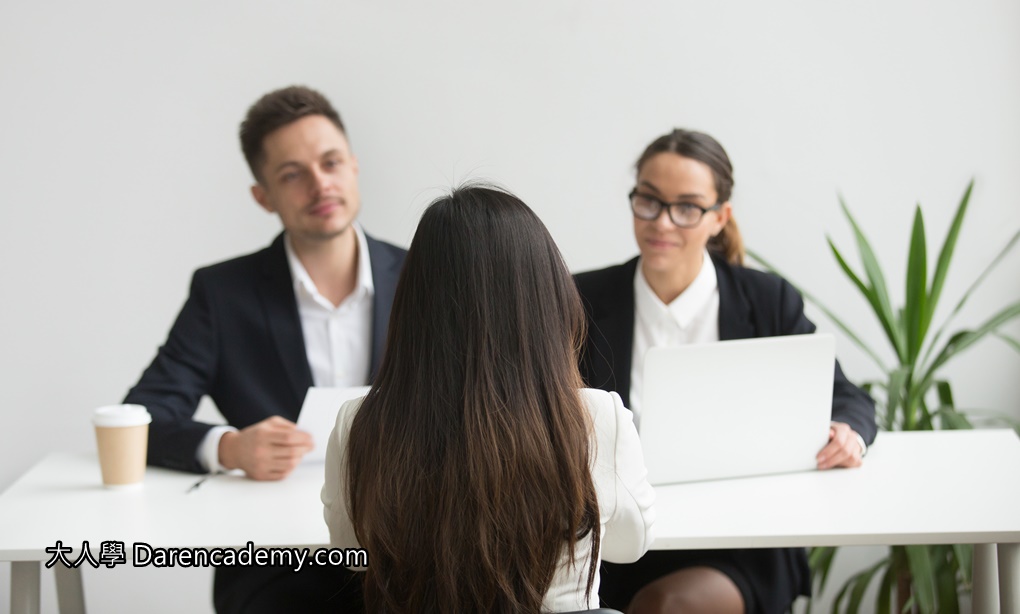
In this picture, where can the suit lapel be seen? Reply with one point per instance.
(385, 272)
(734, 309)
(613, 336)
(276, 289)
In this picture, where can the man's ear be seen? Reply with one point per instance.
(259, 194)
(354, 160)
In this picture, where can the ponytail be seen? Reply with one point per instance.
(728, 244)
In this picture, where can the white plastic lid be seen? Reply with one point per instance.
(121, 415)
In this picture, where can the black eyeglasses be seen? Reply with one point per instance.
(649, 208)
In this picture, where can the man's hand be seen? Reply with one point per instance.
(266, 450)
(843, 449)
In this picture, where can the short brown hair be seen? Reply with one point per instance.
(275, 110)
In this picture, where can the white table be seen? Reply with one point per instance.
(62, 498)
(969, 479)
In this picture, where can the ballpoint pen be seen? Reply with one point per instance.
(199, 483)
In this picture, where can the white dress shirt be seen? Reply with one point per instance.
(692, 317)
(338, 338)
(626, 499)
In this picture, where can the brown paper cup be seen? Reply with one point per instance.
(122, 437)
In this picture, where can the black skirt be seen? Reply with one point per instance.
(768, 578)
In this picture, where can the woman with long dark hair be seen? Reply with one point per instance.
(477, 473)
(689, 286)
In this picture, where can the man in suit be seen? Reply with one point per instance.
(258, 330)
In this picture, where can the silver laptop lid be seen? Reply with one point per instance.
(736, 408)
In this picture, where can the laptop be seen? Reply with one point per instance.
(736, 408)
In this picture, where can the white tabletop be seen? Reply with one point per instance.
(934, 487)
(914, 488)
(62, 497)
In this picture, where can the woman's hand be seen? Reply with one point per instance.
(843, 450)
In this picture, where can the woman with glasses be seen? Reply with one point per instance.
(688, 285)
(476, 473)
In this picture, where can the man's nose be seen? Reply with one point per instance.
(321, 180)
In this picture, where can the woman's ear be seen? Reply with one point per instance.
(723, 215)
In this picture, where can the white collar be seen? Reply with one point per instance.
(364, 285)
(691, 302)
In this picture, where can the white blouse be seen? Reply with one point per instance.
(692, 317)
(618, 471)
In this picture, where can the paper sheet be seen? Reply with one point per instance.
(318, 415)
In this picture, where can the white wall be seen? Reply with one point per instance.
(120, 170)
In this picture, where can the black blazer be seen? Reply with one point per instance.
(238, 339)
(751, 304)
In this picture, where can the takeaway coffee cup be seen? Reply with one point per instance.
(122, 436)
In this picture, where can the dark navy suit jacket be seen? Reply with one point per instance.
(238, 339)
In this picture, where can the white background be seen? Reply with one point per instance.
(120, 170)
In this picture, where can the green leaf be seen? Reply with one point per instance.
(949, 599)
(820, 562)
(894, 394)
(828, 312)
(861, 585)
(991, 266)
(899, 568)
(953, 420)
(884, 599)
(964, 339)
(947, 413)
(869, 295)
(883, 308)
(922, 577)
(945, 393)
(946, 255)
(977, 282)
(926, 423)
(996, 418)
(965, 560)
(1009, 340)
(843, 592)
(915, 310)
(908, 607)
(850, 273)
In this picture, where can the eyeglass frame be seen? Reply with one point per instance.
(668, 207)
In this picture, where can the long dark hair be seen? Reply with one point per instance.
(468, 462)
(701, 147)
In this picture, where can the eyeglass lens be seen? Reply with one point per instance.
(682, 214)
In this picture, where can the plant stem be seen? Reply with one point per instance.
(903, 580)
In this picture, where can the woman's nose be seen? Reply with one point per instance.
(663, 222)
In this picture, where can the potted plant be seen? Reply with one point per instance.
(911, 395)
